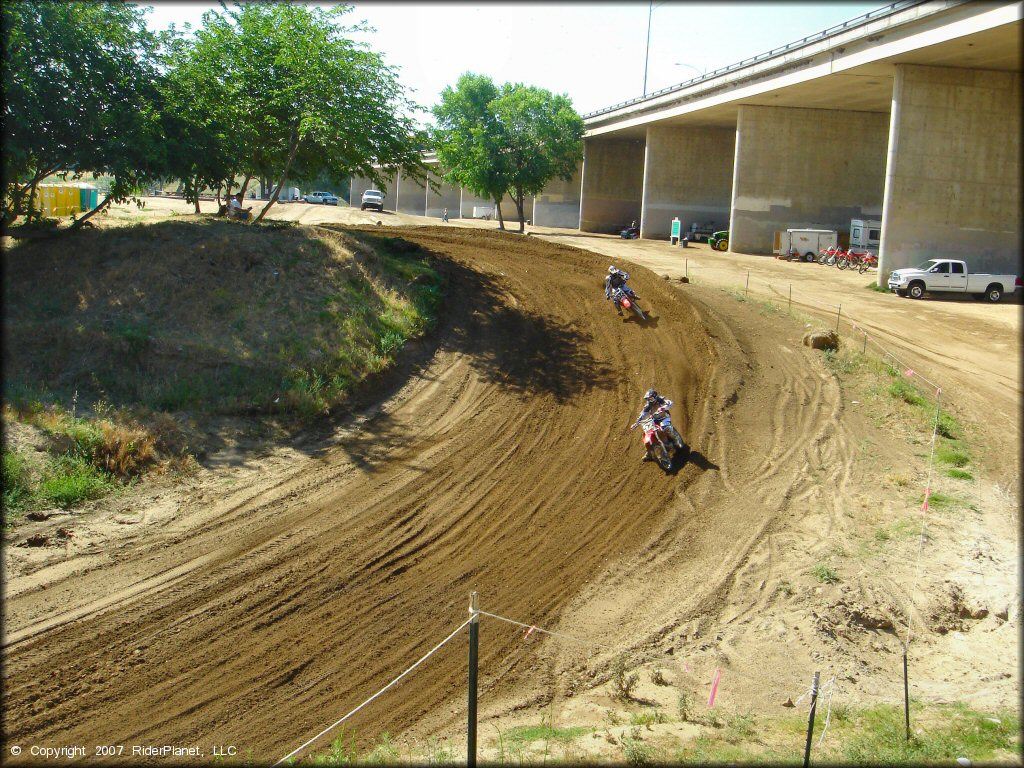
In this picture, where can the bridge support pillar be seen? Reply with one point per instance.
(447, 196)
(953, 181)
(688, 174)
(558, 204)
(613, 179)
(804, 168)
(411, 196)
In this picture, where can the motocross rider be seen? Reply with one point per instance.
(657, 407)
(617, 279)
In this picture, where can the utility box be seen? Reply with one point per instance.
(806, 243)
(865, 233)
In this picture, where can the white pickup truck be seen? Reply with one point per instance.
(936, 275)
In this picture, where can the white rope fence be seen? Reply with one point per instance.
(339, 721)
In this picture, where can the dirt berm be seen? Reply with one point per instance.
(255, 614)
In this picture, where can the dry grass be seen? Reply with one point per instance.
(123, 343)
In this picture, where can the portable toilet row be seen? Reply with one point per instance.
(66, 199)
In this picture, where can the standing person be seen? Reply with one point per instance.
(444, 216)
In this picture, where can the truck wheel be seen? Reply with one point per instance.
(994, 293)
(916, 290)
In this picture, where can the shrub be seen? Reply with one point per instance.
(658, 677)
(70, 480)
(959, 474)
(953, 454)
(637, 752)
(901, 390)
(623, 683)
(824, 573)
(15, 481)
(684, 706)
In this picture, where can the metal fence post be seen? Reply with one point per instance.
(810, 720)
(474, 640)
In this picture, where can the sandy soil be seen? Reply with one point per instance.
(281, 585)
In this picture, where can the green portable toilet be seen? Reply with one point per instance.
(90, 197)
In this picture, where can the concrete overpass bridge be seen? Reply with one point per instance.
(910, 114)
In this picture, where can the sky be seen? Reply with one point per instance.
(592, 52)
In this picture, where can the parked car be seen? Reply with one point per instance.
(373, 198)
(720, 240)
(951, 275)
(323, 198)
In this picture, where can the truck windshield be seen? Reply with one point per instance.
(925, 266)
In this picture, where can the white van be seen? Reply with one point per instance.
(865, 233)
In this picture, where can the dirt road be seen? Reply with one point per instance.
(254, 613)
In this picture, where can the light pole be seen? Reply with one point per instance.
(681, 64)
(647, 52)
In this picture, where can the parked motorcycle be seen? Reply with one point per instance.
(627, 301)
(661, 439)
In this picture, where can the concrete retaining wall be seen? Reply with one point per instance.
(804, 168)
(688, 174)
(953, 183)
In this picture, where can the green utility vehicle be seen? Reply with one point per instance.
(720, 240)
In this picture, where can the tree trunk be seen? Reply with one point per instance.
(518, 200)
(245, 185)
(79, 223)
(32, 194)
(294, 142)
(497, 210)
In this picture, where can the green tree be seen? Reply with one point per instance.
(468, 139)
(80, 95)
(307, 99)
(543, 140)
(510, 141)
(201, 111)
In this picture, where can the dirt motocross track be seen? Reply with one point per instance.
(501, 463)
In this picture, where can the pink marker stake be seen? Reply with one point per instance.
(714, 687)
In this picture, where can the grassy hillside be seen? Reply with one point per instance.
(115, 340)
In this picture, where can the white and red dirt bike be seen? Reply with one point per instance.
(626, 300)
(661, 439)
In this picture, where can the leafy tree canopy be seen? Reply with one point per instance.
(512, 140)
(79, 84)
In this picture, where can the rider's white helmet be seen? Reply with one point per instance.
(650, 394)
(612, 270)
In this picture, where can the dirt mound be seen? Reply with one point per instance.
(255, 613)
